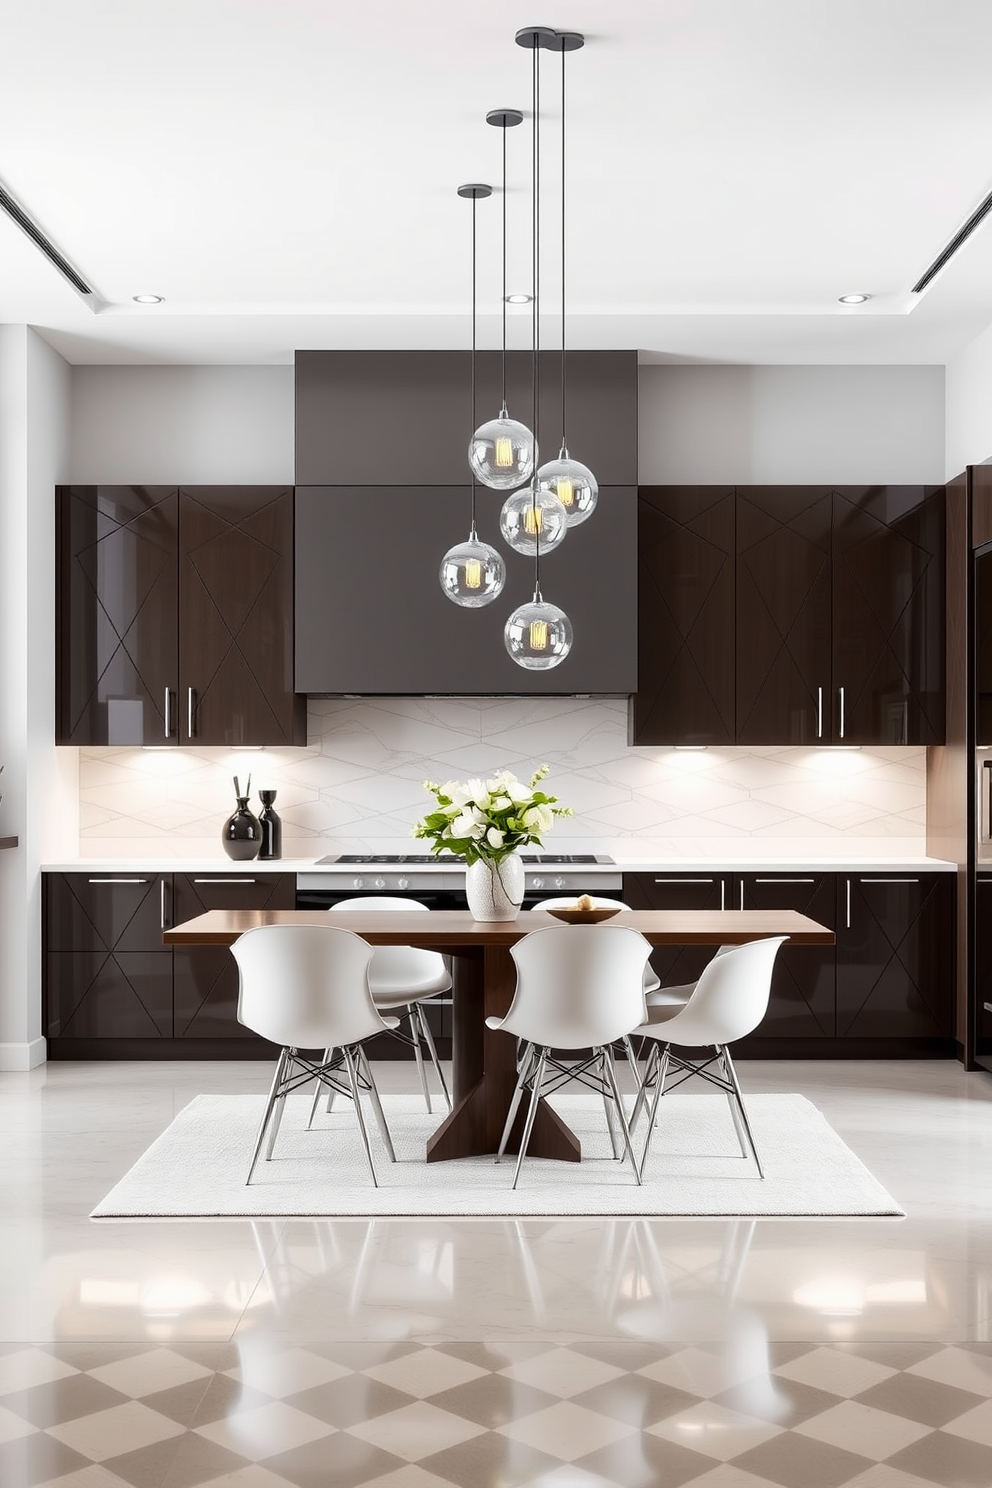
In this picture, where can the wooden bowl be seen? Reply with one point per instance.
(574, 916)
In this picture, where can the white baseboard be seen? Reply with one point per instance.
(23, 1056)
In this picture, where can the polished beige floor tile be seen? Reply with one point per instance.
(566, 1430)
(859, 1428)
(425, 1373)
(975, 1424)
(266, 1430)
(714, 1430)
(416, 1430)
(123, 1428)
(562, 1372)
(841, 1373)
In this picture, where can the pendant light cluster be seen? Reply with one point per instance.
(503, 453)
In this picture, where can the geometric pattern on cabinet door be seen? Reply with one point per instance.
(894, 970)
(121, 994)
(802, 1000)
(108, 975)
(118, 612)
(236, 644)
(685, 616)
(783, 614)
(888, 621)
(206, 977)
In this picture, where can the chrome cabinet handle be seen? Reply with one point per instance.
(168, 712)
(723, 893)
(683, 880)
(161, 905)
(819, 712)
(223, 880)
(117, 880)
(841, 691)
(784, 880)
(848, 924)
(742, 894)
(889, 880)
(189, 711)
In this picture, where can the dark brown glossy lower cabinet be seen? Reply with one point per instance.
(113, 991)
(885, 990)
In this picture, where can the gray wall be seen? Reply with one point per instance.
(769, 425)
(213, 425)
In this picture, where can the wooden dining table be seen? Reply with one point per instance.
(484, 1068)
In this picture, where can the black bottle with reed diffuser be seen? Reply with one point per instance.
(241, 834)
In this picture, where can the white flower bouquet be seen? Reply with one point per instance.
(486, 820)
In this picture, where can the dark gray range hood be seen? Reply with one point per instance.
(382, 493)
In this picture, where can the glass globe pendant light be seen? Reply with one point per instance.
(502, 453)
(538, 635)
(472, 573)
(572, 482)
(532, 517)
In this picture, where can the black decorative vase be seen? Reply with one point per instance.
(271, 826)
(241, 834)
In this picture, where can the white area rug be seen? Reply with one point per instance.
(197, 1167)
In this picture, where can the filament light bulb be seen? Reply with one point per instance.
(530, 518)
(473, 573)
(533, 520)
(538, 635)
(502, 453)
(573, 483)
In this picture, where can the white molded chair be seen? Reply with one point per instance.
(728, 1001)
(652, 981)
(559, 1003)
(307, 987)
(402, 978)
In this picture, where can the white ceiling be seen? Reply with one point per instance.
(284, 173)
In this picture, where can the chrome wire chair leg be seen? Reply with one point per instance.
(318, 1087)
(732, 1103)
(650, 1071)
(631, 1055)
(425, 1028)
(611, 1076)
(414, 1026)
(608, 1108)
(270, 1102)
(280, 1105)
(349, 1059)
(729, 1066)
(526, 1063)
(366, 1070)
(659, 1091)
(535, 1095)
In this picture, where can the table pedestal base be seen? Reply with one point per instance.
(485, 1062)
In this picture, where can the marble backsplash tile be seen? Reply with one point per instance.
(357, 786)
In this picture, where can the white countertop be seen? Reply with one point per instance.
(742, 862)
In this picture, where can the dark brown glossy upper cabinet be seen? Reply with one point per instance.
(404, 418)
(832, 621)
(175, 616)
(236, 617)
(117, 614)
(783, 614)
(888, 616)
(686, 597)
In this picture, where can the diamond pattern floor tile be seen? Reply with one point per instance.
(516, 1413)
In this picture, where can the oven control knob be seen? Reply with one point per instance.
(537, 883)
(380, 883)
(402, 883)
(560, 883)
(358, 883)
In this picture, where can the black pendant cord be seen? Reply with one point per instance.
(503, 400)
(564, 441)
(536, 313)
(474, 419)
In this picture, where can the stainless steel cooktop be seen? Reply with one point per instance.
(410, 859)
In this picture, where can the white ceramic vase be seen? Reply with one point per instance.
(495, 890)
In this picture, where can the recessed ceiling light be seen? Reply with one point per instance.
(519, 299)
(148, 299)
(855, 299)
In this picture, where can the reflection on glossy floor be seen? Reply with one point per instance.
(571, 1353)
